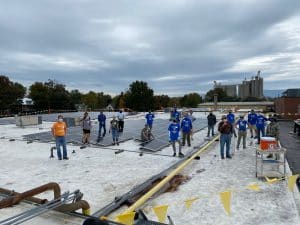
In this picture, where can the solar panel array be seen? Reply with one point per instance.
(132, 130)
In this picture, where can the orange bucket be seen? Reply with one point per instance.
(268, 143)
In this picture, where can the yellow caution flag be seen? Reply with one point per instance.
(126, 218)
(292, 181)
(161, 212)
(226, 201)
(189, 202)
(271, 181)
(254, 187)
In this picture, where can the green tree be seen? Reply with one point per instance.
(50, 95)
(191, 100)
(139, 97)
(103, 100)
(90, 100)
(10, 93)
(75, 97)
(219, 92)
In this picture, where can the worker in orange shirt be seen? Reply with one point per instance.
(59, 130)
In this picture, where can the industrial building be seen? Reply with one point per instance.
(252, 88)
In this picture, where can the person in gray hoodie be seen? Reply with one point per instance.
(86, 125)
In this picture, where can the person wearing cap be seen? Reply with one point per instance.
(226, 130)
(231, 120)
(186, 128)
(86, 128)
(174, 137)
(273, 131)
(252, 117)
(211, 122)
(146, 134)
(149, 119)
(59, 131)
(114, 129)
(241, 125)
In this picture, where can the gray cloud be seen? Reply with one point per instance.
(176, 46)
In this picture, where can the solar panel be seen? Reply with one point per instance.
(7, 121)
(132, 130)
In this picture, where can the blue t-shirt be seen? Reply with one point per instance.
(149, 117)
(252, 117)
(242, 124)
(186, 125)
(175, 115)
(174, 129)
(101, 119)
(230, 118)
(260, 121)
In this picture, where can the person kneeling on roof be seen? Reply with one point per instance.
(146, 134)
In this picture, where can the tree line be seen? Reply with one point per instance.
(52, 95)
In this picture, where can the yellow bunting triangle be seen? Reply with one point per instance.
(189, 202)
(161, 212)
(226, 201)
(126, 219)
(292, 182)
(254, 187)
(271, 181)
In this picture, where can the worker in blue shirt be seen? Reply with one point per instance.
(175, 115)
(101, 121)
(174, 136)
(252, 117)
(149, 119)
(260, 126)
(186, 127)
(231, 120)
(241, 125)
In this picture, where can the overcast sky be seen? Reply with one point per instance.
(176, 46)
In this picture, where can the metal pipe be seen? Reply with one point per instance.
(82, 204)
(156, 188)
(10, 201)
(8, 193)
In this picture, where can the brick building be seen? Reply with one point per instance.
(289, 104)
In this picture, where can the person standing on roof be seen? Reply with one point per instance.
(192, 118)
(149, 119)
(273, 131)
(252, 117)
(121, 117)
(102, 121)
(211, 122)
(59, 131)
(174, 137)
(231, 120)
(226, 130)
(260, 126)
(114, 129)
(175, 115)
(186, 127)
(86, 128)
(241, 125)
